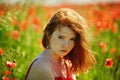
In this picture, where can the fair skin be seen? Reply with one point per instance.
(62, 42)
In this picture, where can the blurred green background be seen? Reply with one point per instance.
(21, 26)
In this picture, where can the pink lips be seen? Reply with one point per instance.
(64, 50)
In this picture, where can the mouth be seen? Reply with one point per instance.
(64, 51)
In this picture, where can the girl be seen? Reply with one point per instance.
(66, 48)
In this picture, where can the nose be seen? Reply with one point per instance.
(65, 44)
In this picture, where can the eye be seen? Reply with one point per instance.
(60, 37)
(72, 39)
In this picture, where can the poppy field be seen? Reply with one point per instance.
(21, 36)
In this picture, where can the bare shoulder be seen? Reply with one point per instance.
(40, 70)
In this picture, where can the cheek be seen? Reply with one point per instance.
(72, 46)
(54, 42)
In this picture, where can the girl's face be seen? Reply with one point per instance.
(62, 41)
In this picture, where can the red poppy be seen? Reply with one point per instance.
(70, 78)
(10, 64)
(23, 25)
(99, 25)
(115, 14)
(37, 24)
(31, 12)
(62, 78)
(7, 72)
(1, 51)
(113, 50)
(5, 78)
(15, 34)
(107, 25)
(2, 12)
(36, 21)
(109, 62)
(103, 45)
(98, 13)
(115, 28)
(14, 79)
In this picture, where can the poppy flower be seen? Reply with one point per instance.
(23, 25)
(62, 78)
(31, 11)
(10, 64)
(7, 72)
(107, 25)
(14, 79)
(115, 28)
(103, 45)
(59, 78)
(2, 12)
(15, 34)
(109, 62)
(113, 50)
(36, 21)
(5, 78)
(70, 78)
(115, 14)
(37, 24)
(99, 25)
(1, 51)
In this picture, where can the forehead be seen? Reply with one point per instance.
(64, 30)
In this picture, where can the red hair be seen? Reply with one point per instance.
(80, 56)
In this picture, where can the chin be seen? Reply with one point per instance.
(63, 55)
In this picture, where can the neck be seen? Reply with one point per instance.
(50, 54)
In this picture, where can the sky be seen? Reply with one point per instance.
(55, 2)
(78, 1)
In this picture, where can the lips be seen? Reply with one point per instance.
(64, 51)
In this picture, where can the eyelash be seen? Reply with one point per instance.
(61, 37)
(72, 39)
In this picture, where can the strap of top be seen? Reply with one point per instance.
(66, 69)
(29, 69)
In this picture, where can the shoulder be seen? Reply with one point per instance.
(40, 70)
(40, 65)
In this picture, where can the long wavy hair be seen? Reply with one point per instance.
(80, 56)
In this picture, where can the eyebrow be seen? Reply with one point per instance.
(65, 35)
